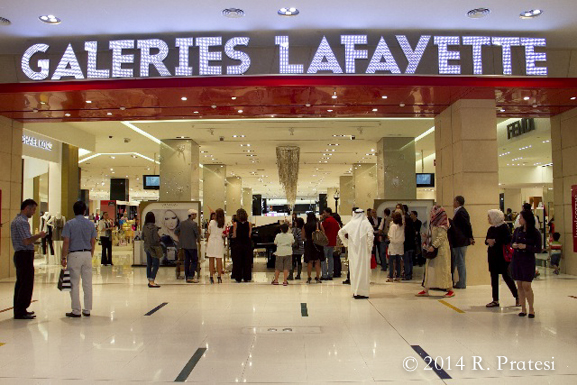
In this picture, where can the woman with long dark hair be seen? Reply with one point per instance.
(313, 254)
(526, 242)
(215, 244)
(498, 237)
(242, 248)
(152, 248)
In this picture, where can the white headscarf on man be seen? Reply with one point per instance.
(359, 244)
(496, 217)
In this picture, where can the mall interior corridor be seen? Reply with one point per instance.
(258, 333)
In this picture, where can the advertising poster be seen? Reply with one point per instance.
(168, 216)
(574, 215)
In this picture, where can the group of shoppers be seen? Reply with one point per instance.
(510, 255)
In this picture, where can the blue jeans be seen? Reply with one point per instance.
(408, 262)
(395, 264)
(383, 253)
(190, 262)
(458, 254)
(328, 265)
(152, 265)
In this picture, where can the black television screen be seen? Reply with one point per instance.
(151, 182)
(425, 180)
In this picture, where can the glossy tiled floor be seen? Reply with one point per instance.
(342, 339)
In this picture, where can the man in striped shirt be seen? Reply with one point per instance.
(23, 242)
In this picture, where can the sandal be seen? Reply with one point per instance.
(492, 304)
(285, 283)
(274, 283)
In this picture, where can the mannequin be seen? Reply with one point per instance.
(58, 226)
(46, 225)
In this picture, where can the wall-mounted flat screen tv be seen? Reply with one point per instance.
(425, 180)
(151, 182)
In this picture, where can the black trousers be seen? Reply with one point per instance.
(242, 262)
(508, 280)
(24, 263)
(47, 241)
(106, 251)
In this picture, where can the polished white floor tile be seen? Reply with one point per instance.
(342, 340)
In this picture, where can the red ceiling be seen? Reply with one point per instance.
(279, 96)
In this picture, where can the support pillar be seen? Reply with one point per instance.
(396, 169)
(347, 190)
(179, 170)
(247, 200)
(233, 195)
(365, 181)
(70, 179)
(564, 143)
(467, 165)
(10, 187)
(214, 177)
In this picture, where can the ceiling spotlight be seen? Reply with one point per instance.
(329, 110)
(478, 13)
(531, 14)
(109, 113)
(240, 111)
(288, 11)
(502, 110)
(307, 105)
(50, 19)
(233, 13)
(35, 110)
(213, 106)
(384, 97)
(573, 97)
(375, 110)
(526, 98)
(334, 95)
(196, 112)
(402, 105)
(112, 157)
(333, 144)
(67, 114)
(233, 98)
(122, 108)
(184, 98)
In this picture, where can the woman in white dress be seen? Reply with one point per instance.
(215, 245)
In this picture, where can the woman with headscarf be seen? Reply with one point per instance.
(498, 237)
(438, 269)
(358, 236)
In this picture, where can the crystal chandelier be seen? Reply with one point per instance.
(288, 170)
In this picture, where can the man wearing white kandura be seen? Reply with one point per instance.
(357, 236)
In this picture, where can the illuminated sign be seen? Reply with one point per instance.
(352, 54)
(38, 143)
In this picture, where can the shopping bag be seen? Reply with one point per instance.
(507, 253)
(64, 280)
(373, 261)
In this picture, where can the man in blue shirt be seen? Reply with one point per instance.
(23, 242)
(79, 240)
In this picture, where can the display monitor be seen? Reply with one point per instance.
(151, 182)
(425, 180)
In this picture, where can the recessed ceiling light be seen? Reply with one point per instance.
(288, 11)
(233, 97)
(526, 98)
(240, 111)
(375, 109)
(535, 105)
(329, 110)
(35, 110)
(122, 108)
(184, 98)
(238, 136)
(531, 14)
(67, 115)
(89, 101)
(109, 113)
(112, 157)
(502, 110)
(573, 97)
(402, 105)
(333, 144)
(233, 13)
(307, 105)
(478, 13)
(196, 112)
(213, 106)
(50, 19)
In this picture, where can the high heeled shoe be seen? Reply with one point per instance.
(211, 280)
(219, 280)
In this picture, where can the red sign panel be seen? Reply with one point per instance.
(574, 215)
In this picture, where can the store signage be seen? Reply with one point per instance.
(574, 215)
(520, 127)
(131, 58)
(38, 143)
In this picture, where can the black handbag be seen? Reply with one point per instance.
(64, 283)
(430, 254)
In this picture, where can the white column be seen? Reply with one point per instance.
(247, 200)
(214, 194)
(365, 181)
(233, 195)
(396, 169)
(179, 170)
(347, 190)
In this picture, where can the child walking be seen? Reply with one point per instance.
(283, 242)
